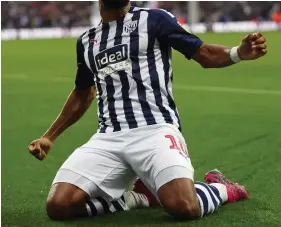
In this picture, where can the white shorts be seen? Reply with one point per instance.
(109, 162)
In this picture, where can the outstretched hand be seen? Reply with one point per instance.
(252, 46)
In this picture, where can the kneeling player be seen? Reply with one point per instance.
(126, 60)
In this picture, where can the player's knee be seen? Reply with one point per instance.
(62, 207)
(58, 208)
(183, 209)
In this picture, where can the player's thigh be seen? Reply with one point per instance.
(160, 156)
(98, 172)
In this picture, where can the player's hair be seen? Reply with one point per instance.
(115, 4)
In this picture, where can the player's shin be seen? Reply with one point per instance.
(99, 206)
(129, 200)
(210, 197)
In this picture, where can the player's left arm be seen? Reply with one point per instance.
(170, 33)
(77, 103)
(252, 46)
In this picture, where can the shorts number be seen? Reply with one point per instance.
(176, 146)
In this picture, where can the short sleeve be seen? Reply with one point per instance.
(84, 76)
(170, 32)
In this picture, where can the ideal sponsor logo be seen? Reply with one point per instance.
(124, 65)
(113, 59)
(112, 56)
(130, 26)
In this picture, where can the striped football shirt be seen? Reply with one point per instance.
(129, 61)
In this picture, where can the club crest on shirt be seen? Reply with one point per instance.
(130, 26)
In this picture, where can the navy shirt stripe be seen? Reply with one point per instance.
(84, 76)
(119, 31)
(134, 47)
(104, 36)
(111, 108)
(129, 113)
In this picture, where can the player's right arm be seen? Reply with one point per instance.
(76, 105)
(170, 33)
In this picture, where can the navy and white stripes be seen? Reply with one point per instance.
(209, 197)
(131, 66)
(99, 206)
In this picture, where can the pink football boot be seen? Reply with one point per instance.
(235, 191)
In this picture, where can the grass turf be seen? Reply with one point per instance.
(231, 119)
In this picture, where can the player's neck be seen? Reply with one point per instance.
(112, 15)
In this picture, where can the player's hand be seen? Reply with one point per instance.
(252, 46)
(40, 148)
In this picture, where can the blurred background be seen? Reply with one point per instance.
(45, 14)
(70, 14)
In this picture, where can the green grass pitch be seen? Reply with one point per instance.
(231, 119)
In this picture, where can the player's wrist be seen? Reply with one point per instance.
(235, 55)
(49, 138)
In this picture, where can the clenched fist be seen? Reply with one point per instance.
(252, 47)
(40, 148)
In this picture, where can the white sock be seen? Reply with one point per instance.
(222, 190)
(135, 200)
(209, 197)
(99, 206)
